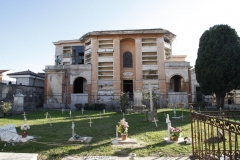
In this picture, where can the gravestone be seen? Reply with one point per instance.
(152, 115)
(137, 98)
(77, 138)
(8, 132)
(18, 102)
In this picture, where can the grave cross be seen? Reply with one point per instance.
(90, 122)
(116, 131)
(82, 110)
(151, 101)
(46, 115)
(70, 113)
(73, 125)
(24, 115)
(123, 115)
(62, 110)
(174, 112)
(154, 120)
(168, 125)
(103, 111)
(50, 120)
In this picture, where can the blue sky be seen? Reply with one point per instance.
(28, 27)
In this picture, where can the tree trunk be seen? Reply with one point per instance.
(220, 99)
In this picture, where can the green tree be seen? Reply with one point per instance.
(123, 101)
(217, 66)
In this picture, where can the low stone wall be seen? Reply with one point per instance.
(33, 96)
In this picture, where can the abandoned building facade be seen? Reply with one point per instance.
(102, 64)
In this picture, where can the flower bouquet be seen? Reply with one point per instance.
(123, 128)
(24, 127)
(175, 133)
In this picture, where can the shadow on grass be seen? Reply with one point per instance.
(53, 140)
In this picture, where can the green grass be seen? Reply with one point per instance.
(51, 142)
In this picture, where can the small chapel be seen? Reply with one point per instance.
(101, 64)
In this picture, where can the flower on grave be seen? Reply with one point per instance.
(123, 126)
(6, 106)
(25, 127)
(175, 132)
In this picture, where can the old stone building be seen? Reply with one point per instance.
(102, 64)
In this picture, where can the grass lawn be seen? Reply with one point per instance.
(51, 142)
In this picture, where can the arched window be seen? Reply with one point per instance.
(127, 60)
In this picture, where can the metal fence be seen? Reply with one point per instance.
(215, 135)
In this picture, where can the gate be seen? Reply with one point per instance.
(215, 135)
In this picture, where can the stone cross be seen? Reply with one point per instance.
(50, 120)
(90, 122)
(174, 112)
(182, 115)
(46, 115)
(116, 131)
(62, 110)
(103, 111)
(154, 120)
(24, 115)
(73, 125)
(82, 110)
(151, 102)
(70, 113)
(168, 125)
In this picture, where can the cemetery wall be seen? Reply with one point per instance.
(33, 96)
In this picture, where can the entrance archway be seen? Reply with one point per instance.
(177, 84)
(80, 85)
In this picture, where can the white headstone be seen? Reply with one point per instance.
(7, 132)
(73, 125)
(82, 110)
(154, 120)
(168, 125)
(137, 98)
(70, 113)
(46, 115)
(90, 122)
(50, 121)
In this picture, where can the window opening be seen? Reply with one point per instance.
(127, 60)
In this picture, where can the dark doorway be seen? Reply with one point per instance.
(177, 84)
(78, 85)
(128, 88)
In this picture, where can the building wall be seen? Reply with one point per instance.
(57, 81)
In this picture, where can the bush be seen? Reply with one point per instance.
(79, 106)
(99, 106)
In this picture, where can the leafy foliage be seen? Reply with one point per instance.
(123, 101)
(217, 66)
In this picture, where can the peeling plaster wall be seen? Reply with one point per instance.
(54, 90)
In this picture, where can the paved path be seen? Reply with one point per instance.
(123, 158)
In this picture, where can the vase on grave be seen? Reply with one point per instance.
(124, 136)
(24, 134)
(172, 138)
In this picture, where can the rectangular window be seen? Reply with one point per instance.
(78, 54)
